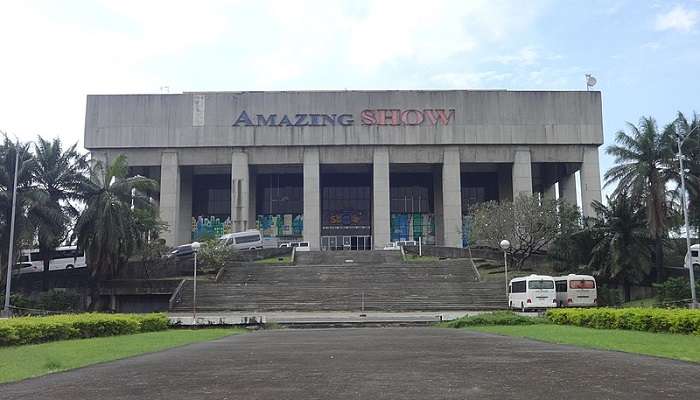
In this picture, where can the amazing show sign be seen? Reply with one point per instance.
(382, 117)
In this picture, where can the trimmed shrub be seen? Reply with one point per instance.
(29, 330)
(674, 290)
(494, 318)
(638, 319)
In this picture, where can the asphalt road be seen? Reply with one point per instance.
(371, 363)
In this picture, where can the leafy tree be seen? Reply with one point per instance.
(108, 228)
(621, 253)
(59, 174)
(529, 224)
(644, 157)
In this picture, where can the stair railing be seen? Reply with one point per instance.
(176, 297)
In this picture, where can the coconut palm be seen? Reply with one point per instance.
(26, 196)
(59, 175)
(621, 253)
(644, 157)
(690, 129)
(107, 228)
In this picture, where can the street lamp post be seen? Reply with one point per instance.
(6, 312)
(688, 261)
(505, 245)
(195, 247)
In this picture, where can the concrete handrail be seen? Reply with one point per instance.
(219, 274)
(294, 252)
(471, 260)
(176, 294)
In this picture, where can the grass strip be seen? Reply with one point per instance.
(667, 345)
(21, 362)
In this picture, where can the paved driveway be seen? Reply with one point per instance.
(371, 363)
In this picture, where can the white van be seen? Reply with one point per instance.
(246, 240)
(694, 256)
(576, 291)
(534, 292)
(65, 257)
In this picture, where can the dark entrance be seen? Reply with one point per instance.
(346, 208)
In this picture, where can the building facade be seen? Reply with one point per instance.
(349, 169)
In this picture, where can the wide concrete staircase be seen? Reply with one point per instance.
(329, 281)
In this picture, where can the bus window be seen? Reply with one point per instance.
(24, 259)
(582, 284)
(561, 286)
(540, 284)
(248, 239)
(518, 287)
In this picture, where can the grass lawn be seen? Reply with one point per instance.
(275, 260)
(649, 302)
(680, 347)
(21, 362)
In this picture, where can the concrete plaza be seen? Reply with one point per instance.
(379, 363)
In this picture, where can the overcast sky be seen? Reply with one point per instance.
(645, 54)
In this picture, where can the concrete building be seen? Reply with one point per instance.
(348, 169)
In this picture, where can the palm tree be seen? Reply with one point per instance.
(26, 196)
(108, 228)
(621, 253)
(59, 174)
(691, 160)
(643, 159)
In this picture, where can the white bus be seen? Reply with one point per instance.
(576, 291)
(246, 240)
(534, 292)
(694, 256)
(66, 257)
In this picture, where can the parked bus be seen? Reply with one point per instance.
(66, 257)
(246, 240)
(576, 291)
(534, 292)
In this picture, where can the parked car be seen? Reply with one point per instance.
(694, 256)
(182, 251)
(300, 246)
(398, 244)
(246, 240)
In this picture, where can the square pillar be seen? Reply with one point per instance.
(452, 198)
(590, 180)
(437, 201)
(170, 196)
(522, 172)
(312, 198)
(567, 189)
(381, 213)
(239, 191)
(185, 222)
(252, 193)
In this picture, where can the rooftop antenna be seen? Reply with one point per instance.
(590, 81)
(164, 89)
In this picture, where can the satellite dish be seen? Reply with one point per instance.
(590, 81)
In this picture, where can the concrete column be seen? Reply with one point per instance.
(437, 202)
(252, 192)
(381, 213)
(452, 198)
(239, 191)
(185, 222)
(590, 180)
(170, 196)
(101, 158)
(567, 189)
(312, 198)
(522, 172)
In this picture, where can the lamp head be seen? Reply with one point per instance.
(505, 245)
(196, 246)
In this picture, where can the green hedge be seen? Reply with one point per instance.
(494, 318)
(28, 330)
(638, 319)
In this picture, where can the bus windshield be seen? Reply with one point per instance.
(540, 284)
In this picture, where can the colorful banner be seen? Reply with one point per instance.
(280, 225)
(210, 227)
(411, 226)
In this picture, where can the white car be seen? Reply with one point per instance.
(401, 243)
(300, 246)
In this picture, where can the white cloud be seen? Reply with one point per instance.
(678, 18)
(471, 80)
